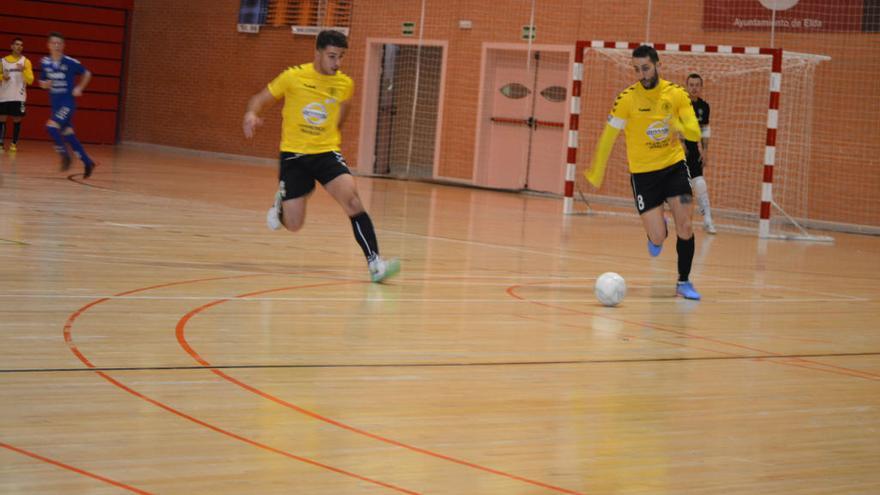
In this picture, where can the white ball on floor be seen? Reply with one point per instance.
(610, 289)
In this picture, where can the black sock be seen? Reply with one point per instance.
(3, 130)
(365, 235)
(685, 249)
(16, 129)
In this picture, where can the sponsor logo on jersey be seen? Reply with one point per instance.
(658, 131)
(315, 113)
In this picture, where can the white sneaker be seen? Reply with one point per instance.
(273, 216)
(709, 227)
(381, 269)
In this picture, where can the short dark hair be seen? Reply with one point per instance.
(56, 34)
(694, 75)
(17, 39)
(330, 37)
(646, 51)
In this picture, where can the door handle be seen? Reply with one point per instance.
(507, 120)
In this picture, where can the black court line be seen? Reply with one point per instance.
(73, 178)
(439, 365)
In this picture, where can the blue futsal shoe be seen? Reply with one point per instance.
(687, 291)
(654, 249)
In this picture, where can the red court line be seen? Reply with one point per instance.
(181, 338)
(679, 344)
(248, 440)
(68, 337)
(633, 337)
(74, 469)
(797, 362)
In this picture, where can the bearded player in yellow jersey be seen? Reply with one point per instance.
(652, 113)
(315, 105)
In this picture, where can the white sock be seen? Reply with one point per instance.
(702, 193)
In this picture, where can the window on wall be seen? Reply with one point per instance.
(253, 12)
(317, 13)
(314, 14)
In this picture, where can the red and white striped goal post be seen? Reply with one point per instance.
(772, 111)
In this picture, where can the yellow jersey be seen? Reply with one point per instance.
(310, 116)
(644, 115)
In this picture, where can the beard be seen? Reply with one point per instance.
(651, 82)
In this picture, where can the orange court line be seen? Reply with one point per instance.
(74, 469)
(181, 338)
(68, 337)
(797, 362)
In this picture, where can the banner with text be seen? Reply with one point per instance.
(806, 16)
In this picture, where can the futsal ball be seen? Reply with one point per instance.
(610, 289)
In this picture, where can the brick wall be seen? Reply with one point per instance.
(94, 32)
(191, 74)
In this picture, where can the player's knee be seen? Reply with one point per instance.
(293, 224)
(699, 185)
(656, 231)
(685, 229)
(353, 205)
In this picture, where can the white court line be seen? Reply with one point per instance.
(631, 264)
(346, 274)
(639, 265)
(140, 225)
(320, 273)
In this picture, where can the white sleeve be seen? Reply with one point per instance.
(616, 122)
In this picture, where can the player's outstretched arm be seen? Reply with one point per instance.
(596, 174)
(255, 105)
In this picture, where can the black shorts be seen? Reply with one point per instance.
(13, 108)
(650, 189)
(298, 172)
(694, 159)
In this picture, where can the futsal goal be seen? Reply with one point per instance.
(759, 153)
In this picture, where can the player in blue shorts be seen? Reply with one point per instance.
(59, 74)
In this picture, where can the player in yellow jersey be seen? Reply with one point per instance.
(316, 98)
(17, 74)
(652, 113)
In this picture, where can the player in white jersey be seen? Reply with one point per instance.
(17, 74)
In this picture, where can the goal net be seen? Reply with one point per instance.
(757, 168)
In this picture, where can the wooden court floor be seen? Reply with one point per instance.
(155, 337)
